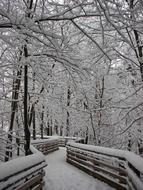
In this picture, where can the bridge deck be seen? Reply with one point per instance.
(62, 176)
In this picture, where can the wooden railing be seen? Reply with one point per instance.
(50, 141)
(26, 172)
(23, 173)
(46, 145)
(51, 144)
(120, 169)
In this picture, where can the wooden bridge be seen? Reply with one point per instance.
(120, 169)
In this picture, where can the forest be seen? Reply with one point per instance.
(72, 68)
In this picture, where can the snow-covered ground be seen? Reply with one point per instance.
(62, 176)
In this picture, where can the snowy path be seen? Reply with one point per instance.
(62, 176)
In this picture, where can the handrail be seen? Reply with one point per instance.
(46, 145)
(120, 169)
(58, 140)
(23, 172)
(27, 172)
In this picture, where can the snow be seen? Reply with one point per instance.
(62, 176)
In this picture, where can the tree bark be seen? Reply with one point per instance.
(48, 128)
(26, 127)
(68, 115)
(140, 53)
(15, 95)
(34, 125)
(33, 111)
(138, 42)
(42, 123)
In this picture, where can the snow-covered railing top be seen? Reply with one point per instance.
(16, 172)
(121, 169)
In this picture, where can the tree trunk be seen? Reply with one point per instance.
(34, 125)
(15, 94)
(101, 105)
(17, 135)
(30, 115)
(139, 48)
(33, 111)
(140, 54)
(51, 131)
(42, 123)
(26, 127)
(93, 128)
(61, 130)
(48, 128)
(68, 115)
(86, 136)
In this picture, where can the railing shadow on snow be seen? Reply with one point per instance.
(122, 170)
